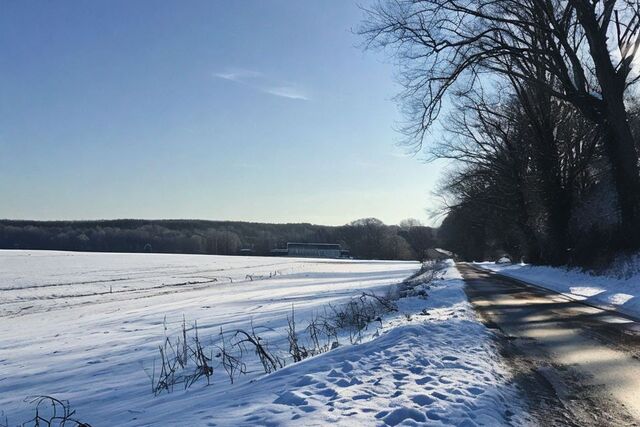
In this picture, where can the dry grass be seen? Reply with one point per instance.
(52, 412)
(185, 359)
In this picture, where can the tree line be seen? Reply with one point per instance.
(541, 120)
(367, 238)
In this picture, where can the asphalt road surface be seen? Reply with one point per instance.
(576, 365)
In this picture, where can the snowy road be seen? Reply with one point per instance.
(587, 356)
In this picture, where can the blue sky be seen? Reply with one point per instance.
(240, 110)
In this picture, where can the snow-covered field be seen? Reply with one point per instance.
(606, 291)
(86, 327)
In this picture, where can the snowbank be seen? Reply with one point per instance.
(438, 369)
(620, 294)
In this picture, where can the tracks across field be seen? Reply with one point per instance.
(24, 298)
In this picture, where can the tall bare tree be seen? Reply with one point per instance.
(587, 47)
(522, 160)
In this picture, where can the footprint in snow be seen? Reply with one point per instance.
(439, 395)
(334, 374)
(290, 398)
(475, 390)
(304, 381)
(327, 392)
(342, 382)
(347, 367)
(362, 397)
(422, 400)
(399, 415)
(424, 380)
(433, 415)
(381, 414)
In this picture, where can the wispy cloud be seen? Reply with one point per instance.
(258, 81)
(287, 92)
(238, 75)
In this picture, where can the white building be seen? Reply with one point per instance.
(314, 250)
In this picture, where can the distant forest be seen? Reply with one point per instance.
(367, 238)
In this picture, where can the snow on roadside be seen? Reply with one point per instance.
(433, 364)
(620, 294)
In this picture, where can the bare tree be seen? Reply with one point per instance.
(577, 51)
(522, 159)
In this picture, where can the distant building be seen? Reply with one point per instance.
(314, 250)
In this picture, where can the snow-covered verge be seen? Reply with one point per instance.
(85, 327)
(433, 364)
(614, 290)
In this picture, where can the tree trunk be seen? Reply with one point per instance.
(620, 146)
(623, 157)
(531, 248)
(556, 201)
